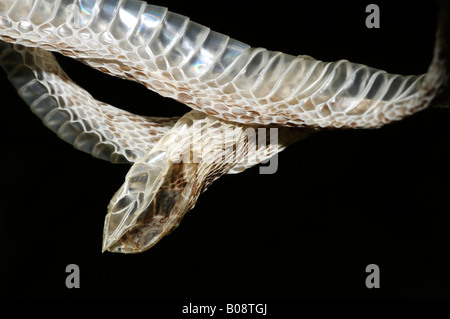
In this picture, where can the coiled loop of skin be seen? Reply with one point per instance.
(231, 86)
(211, 72)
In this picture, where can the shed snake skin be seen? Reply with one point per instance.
(230, 86)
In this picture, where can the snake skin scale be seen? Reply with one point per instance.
(230, 86)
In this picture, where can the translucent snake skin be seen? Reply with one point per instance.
(230, 86)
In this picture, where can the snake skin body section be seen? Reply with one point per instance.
(212, 73)
(97, 128)
(165, 183)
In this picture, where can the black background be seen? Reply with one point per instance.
(339, 201)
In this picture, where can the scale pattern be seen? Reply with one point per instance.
(231, 87)
(71, 112)
(210, 72)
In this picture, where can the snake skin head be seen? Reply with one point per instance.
(150, 208)
(158, 190)
(166, 182)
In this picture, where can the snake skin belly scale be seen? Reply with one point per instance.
(209, 71)
(229, 85)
